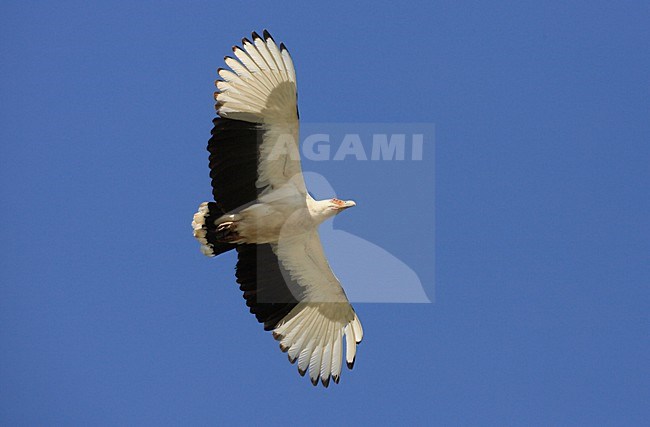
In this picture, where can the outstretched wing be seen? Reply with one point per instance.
(314, 330)
(255, 103)
(261, 89)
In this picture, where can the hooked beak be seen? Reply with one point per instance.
(348, 204)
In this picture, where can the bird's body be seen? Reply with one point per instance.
(263, 210)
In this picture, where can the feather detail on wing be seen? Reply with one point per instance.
(313, 331)
(261, 89)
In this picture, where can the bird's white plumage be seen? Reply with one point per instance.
(198, 225)
(303, 256)
(261, 89)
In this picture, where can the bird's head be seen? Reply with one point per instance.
(324, 209)
(338, 206)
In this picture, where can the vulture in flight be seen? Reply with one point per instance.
(262, 209)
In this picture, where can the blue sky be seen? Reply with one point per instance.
(110, 315)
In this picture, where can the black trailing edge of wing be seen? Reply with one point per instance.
(261, 279)
(234, 148)
(234, 151)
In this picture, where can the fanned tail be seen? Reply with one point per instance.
(205, 230)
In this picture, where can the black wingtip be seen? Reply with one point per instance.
(245, 40)
(291, 360)
(301, 372)
(351, 364)
(325, 382)
(283, 47)
(314, 382)
(255, 35)
(267, 35)
(336, 379)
